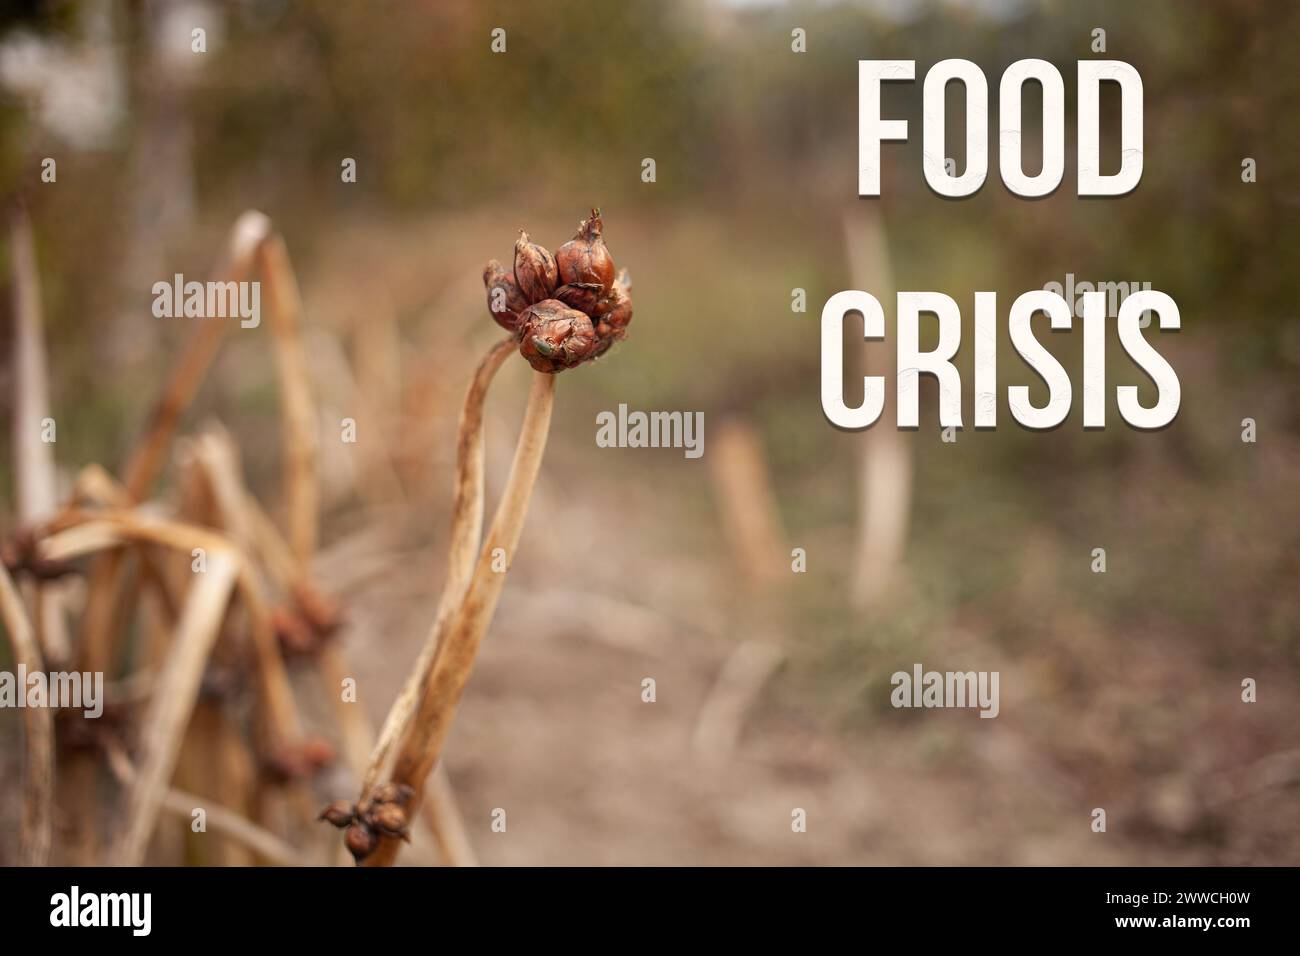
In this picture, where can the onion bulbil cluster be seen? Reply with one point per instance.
(383, 813)
(566, 308)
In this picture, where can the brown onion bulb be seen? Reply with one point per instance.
(389, 819)
(535, 269)
(583, 296)
(615, 309)
(340, 813)
(584, 258)
(554, 337)
(504, 299)
(360, 841)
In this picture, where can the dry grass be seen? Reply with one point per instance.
(211, 581)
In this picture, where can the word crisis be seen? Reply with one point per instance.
(912, 362)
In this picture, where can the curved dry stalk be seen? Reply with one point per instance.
(35, 481)
(149, 452)
(289, 561)
(276, 555)
(79, 532)
(457, 645)
(146, 460)
(217, 758)
(168, 713)
(718, 728)
(466, 529)
(38, 792)
(221, 819)
(84, 532)
(34, 485)
(284, 728)
(216, 459)
(301, 492)
(94, 485)
(440, 813)
(444, 820)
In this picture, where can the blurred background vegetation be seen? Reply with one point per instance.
(1120, 690)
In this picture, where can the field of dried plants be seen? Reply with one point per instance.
(324, 561)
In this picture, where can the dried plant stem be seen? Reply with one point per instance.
(440, 813)
(302, 486)
(83, 532)
(269, 544)
(722, 717)
(302, 495)
(35, 481)
(95, 485)
(458, 645)
(750, 514)
(466, 530)
(443, 816)
(164, 722)
(216, 457)
(150, 450)
(302, 489)
(216, 764)
(38, 792)
(220, 757)
(282, 725)
(886, 475)
(77, 533)
(221, 819)
(187, 374)
(34, 488)
(230, 824)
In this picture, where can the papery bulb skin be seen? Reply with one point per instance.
(504, 299)
(584, 258)
(583, 296)
(554, 337)
(535, 269)
(613, 313)
(614, 309)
